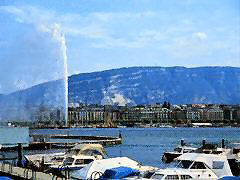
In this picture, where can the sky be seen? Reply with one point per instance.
(103, 34)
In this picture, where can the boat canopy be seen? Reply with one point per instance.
(100, 166)
(88, 149)
(217, 163)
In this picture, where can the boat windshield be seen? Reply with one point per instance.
(198, 165)
(178, 149)
(92, 152)
(157, 176)
(187, 150)
(58, 159)
(83, 161)
(68, 161)
(184, 164)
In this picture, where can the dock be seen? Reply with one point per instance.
(7, 169)
(46, 142)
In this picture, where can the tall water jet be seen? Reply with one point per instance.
(66, 83)
(63, 53)
(34, 77)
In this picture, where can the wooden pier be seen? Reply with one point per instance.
(14, 172)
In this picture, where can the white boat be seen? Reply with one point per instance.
(74, 162)
(196, 166)
(77, 157)
(232, 155)
(97, 168)
(168, 157)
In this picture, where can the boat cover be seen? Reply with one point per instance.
(5, 178)
(100, 166)
(120, 172)
(84, 149)
(230, 178)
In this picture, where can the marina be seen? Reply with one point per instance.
(102, 90)
(135, 145)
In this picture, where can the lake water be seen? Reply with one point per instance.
(147, 145)
(9, 135)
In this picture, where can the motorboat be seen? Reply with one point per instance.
(168, 157)
(75, 158)
(98, 168)
(232, 154)
(74, 162)
(196, 166)
(172, 174)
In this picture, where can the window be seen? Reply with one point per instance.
(198, 165)
(148, 175)
(79, 162)
(186, 177)
(58, 159)
(157, 176)
(218, 164)
(87, 161)
(91, 152)
(184, 164)
(178, 150)
(172, 177)
(68, 161)
(187, 150)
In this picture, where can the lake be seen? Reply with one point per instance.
(147, 145)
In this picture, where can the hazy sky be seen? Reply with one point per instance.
(106, 34)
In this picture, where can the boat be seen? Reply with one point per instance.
(120, 173)
(75, 158)
(73, 162)
(232, 154)
(168, 157)
(196, 166)
(98, 168)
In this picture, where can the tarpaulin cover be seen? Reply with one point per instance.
(119, 172)
(5, 178)
(230, 178)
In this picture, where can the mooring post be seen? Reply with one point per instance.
(223, 143)
(120, 135)
(204, 142)
(20, 155)
(182, 142)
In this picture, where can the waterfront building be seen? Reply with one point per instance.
(213, 114)
(236, 114)
(194, 114)
(149, 114)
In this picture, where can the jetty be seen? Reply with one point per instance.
(7, 169)
(46, 142)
